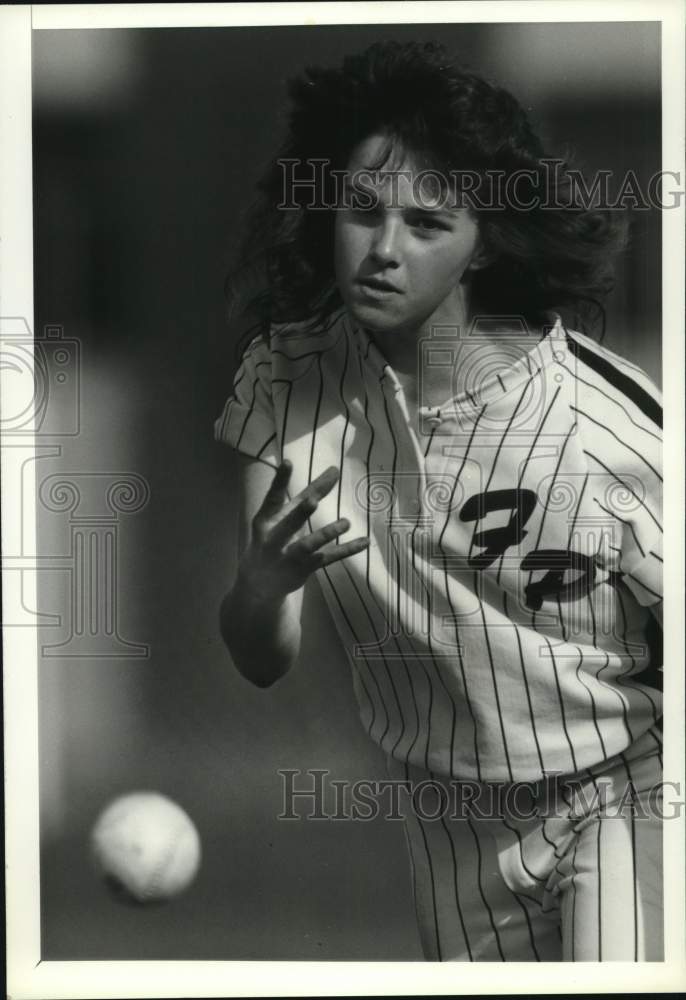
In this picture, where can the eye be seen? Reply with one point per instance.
(428, 223)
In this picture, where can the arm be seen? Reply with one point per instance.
(261, 633)
(260, 616)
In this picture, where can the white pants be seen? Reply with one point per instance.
(581, 880)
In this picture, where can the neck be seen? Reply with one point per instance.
(402, 346)
(403, 349)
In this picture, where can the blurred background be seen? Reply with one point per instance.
(147, 143)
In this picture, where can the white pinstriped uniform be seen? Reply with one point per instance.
(497, 624)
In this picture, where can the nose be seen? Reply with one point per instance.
(385, 245)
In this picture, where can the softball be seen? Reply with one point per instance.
(146, 847)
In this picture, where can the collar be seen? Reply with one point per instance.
(490, 376)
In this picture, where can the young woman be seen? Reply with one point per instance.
(477, 488)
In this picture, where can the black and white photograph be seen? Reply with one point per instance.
(342, 446)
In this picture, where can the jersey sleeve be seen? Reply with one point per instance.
(247, 422)
(624, 453)
(641, 556)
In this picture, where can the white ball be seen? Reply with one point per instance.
(146, 845)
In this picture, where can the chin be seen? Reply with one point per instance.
(375, 317)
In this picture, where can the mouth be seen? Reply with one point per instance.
(378, 286)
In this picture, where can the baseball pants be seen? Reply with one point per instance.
(565, 869)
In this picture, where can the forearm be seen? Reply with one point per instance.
(262, 635)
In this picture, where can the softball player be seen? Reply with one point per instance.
(500, 477)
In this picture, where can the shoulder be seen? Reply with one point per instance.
(610, 388)
(617, 409)
(307, 337)
(255, 355)
(293, 350)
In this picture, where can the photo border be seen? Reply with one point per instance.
(28, 975)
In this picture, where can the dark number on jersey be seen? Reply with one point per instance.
(494, 541)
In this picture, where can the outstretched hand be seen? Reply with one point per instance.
(276, 562)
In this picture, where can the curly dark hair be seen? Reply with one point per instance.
(551, 257)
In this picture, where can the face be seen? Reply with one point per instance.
(404, 264)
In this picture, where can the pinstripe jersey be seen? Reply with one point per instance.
(497, 624)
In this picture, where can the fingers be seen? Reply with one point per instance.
(310, 548)
(292, 522)
(302, 507)
(277, 494)
(323, 484)
(320, 537)
(326, 557)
